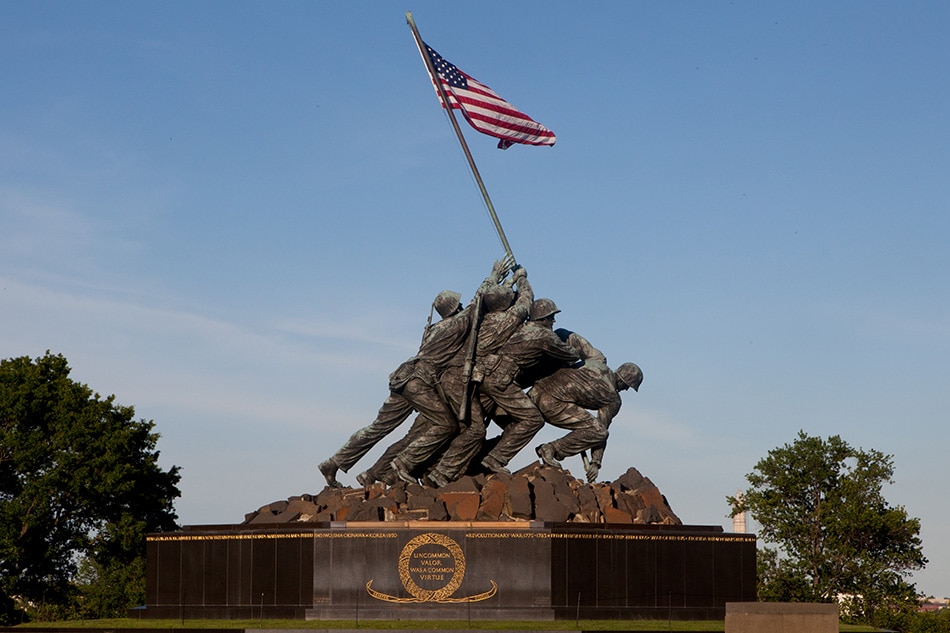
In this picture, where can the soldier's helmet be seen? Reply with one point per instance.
(630, 374)
(543, 308)
(498, 298)
(447, 303)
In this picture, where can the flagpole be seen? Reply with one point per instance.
(458, 132)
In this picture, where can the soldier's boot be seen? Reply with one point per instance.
(494, 465)
(388, 477)
(548, 456)
(402, 471)
(328, 468)
(435, 479)
(366, 478)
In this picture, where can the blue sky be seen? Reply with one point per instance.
(234, 216)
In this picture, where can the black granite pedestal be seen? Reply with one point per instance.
(448, 571)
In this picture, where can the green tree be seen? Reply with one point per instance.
(80, 486)
(821, 503)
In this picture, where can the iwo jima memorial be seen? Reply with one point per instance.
(439, 528)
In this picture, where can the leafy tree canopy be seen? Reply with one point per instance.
(80, 486)
(821, 502)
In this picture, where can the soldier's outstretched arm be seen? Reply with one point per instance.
(581, 345)
(591, 469)
(592, 466)
(525, 292)
(605, 416)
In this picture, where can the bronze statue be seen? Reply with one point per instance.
(566, 398)
(413, 386)
(495, 299)
(472, 368)
(504, 371)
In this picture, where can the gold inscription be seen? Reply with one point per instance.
(160, 538)
(615, 537)
(722, 538)
(431, 567)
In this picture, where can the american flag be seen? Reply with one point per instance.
(486, 111)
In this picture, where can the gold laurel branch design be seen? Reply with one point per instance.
(396, 599)
(476, 598)
(386, 597)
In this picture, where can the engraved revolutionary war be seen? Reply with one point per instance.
(497, 360)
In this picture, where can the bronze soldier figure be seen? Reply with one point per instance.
(413, 385)
(566, 397)
(506, 367)
(496, 299)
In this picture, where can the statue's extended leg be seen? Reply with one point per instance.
(585, 435)
(525, 424)
(329, 468)
(492, 464)
(435, 479)
(439, 425)
(392, 413)
(402, 471)
(548, 456)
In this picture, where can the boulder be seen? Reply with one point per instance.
(493, 499)
(519, 498)
(533, 493)
(547, 507)
(461, 506)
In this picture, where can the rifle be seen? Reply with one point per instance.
(470, 359)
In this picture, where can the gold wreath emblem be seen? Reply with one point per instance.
(442, 595)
